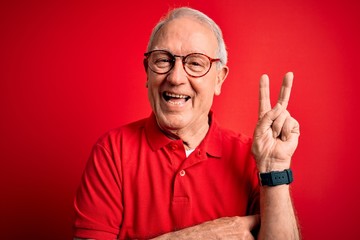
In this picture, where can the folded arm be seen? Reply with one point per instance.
(223, 228)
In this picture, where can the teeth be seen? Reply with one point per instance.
(174, 103)
(175, 95)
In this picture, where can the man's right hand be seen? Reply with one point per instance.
(228, 228)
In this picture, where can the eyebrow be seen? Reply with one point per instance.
(187, 52)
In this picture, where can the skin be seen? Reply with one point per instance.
(275, 140)
(187, 120)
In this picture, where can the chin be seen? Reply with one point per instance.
(172, 121)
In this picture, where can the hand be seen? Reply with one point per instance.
(236, 228)
(276, 134)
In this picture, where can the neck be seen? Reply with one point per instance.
(190, 137)
(192, 140)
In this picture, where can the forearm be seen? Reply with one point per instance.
(191, 233)
(278, 220)
(222, 228)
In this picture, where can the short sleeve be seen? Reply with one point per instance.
(98, 202)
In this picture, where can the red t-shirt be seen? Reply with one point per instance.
(139, 184)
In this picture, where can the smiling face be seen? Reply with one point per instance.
(181, 102)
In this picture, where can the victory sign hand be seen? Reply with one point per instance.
(276, 134)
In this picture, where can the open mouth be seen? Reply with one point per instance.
(175, 99)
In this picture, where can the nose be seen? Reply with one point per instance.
(177, 75)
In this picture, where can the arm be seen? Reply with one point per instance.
(275, 140)
(228, 228)
(98, 213)
(222, 228)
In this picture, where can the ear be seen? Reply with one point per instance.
(145, 63)
(220, 78)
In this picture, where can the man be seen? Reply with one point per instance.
(177, 174)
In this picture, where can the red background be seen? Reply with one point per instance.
(71, 71)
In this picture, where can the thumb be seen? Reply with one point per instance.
(253, 221)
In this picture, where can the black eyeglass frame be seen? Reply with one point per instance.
(183, 58)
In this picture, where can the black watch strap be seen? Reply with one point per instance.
(276, 178)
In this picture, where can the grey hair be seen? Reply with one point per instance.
(201, 17)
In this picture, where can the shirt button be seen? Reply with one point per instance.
(173, 147)
(182, 173)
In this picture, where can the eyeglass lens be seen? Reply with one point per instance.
(195, 64)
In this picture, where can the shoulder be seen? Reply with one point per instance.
(232, 136)
(227, 142)
(228, 135)
(127, 131)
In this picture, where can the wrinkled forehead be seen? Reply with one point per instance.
(186, 35)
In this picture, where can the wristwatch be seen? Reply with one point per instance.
(276, 178)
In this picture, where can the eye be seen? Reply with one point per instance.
(195, 63)
(162, 61)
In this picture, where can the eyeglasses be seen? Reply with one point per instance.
(194, 64)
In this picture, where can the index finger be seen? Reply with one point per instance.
(264, 96)
(285, 91)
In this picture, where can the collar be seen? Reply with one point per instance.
(211, 144)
